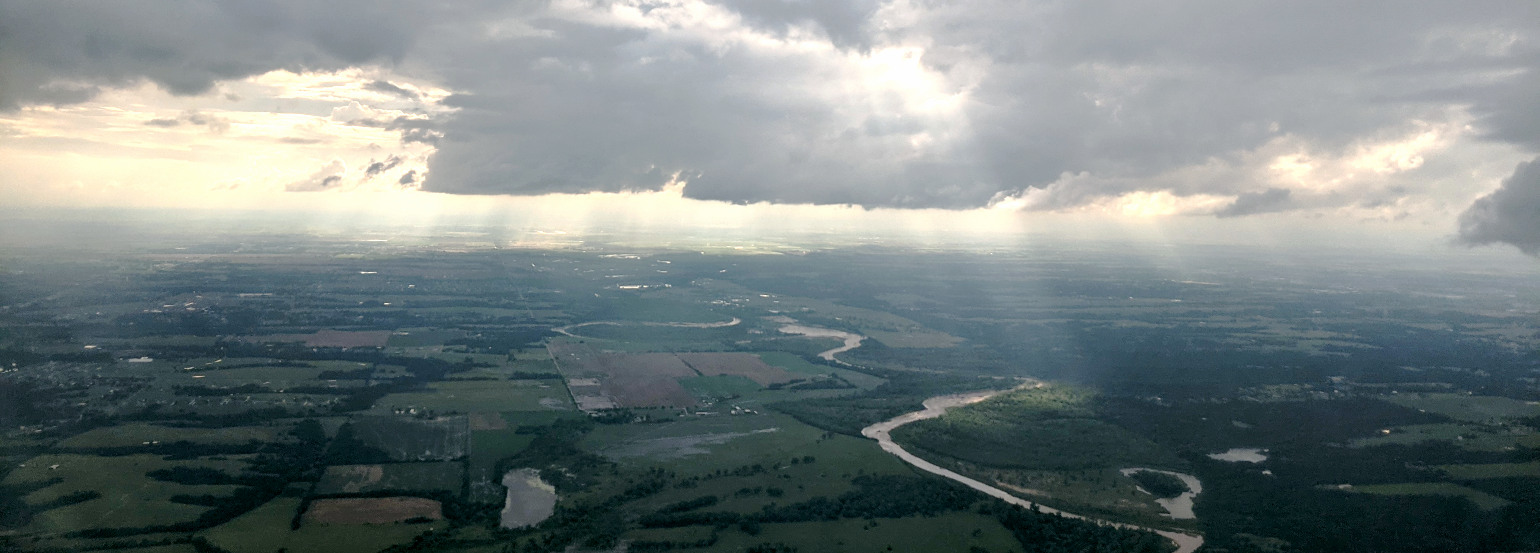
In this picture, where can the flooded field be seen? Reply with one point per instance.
(530, 499)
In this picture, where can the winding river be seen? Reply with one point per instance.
(852, 341)
(935, 407)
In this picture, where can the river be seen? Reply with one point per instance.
(852, 341)
(935, 407)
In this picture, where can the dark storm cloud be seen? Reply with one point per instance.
(1509, 215)
(1064, 102)
(59, 51)
(1121, 93)
(408, 179)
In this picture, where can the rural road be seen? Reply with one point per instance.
(935, 407)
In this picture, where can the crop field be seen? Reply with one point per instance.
(712, 388)
(372, 510)
(405, 439)
(127, 496)
(439, 476)
(1483, 409)
(266, 529)
(419, 337)
(472, 396)
(1482, 499)
(627, 379)
(739, 364)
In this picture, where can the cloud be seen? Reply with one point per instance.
(1251, 107)
(214, 123)
(388, 87)
(1272, 199)
(329, 177)
(1509, 215)
(64, 51)
(376, 167)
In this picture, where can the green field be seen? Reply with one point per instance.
(128, 497)
(1492, 470)
(262, 530)
(1465, 407)
(1482, 499)
(482, 395)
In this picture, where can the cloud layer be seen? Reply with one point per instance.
(1382, 109)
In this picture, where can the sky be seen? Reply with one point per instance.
(1372, 120)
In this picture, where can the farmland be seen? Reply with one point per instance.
(333, 395)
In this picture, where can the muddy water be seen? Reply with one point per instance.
(1179, 507)
(852, 341)
(935, 407)
(530, 499)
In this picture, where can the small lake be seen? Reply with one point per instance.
(1241, 455)
(530, 499)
